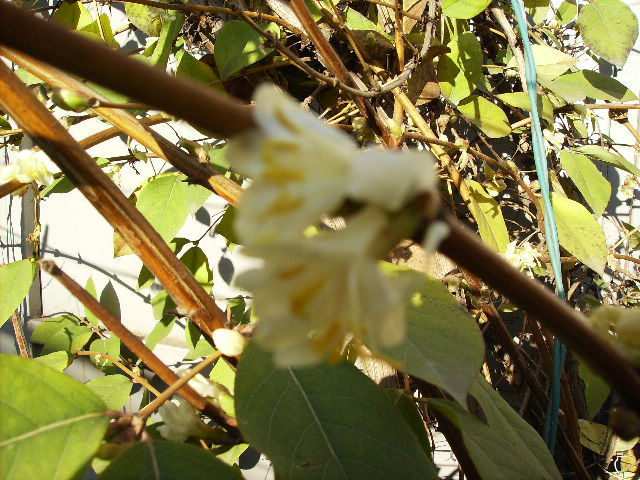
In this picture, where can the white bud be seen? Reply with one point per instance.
(230, 342)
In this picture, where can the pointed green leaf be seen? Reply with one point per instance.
(197, 70)
(160, 460)
(324, 422)
(238, 45)
(15, 281)
(198, 264)
(56, 360)
(552, 62)
(443, 344)
(567, 11)
(114, 390)
(537, 9)
(580, 233)
(167, 200)
(90, 287)
(145, 18)
(459, 70)
(521, 100)
(52, 425)
(109, 300)
(464, 8)
(160, 331)
(110, 346)
(487, 116)
(609, 28)
(505, 447)
(488, 214)
(606, 156)
(594, 187)
(407, 408)
(575, 87)
(64, 333)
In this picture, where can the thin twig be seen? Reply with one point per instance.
(136, 346)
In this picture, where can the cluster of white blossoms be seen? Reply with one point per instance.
(523, 257)
(620, 327)
(313, 292)
(181, 420)
(29, 166)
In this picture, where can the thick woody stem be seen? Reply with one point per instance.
(203, 174)
(191, 299)
(136, 346)
(72, 52)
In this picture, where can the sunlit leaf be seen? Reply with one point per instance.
(580, 233)
(487, 116)
(238, 46)
(606, 156)
(594, 187)
(464, 8)
(62, 333)
(114, 390)
(609, 28)
(488, 214)
(52, 425)
(459, 70)
(521, 100)
(15, 281)
(575, 87)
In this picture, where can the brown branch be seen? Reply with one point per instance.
(109, 133)
(198, 172)
(23, 346)
(210, 9)
(12, 186)
(136, 346)
(464, 248)
(94, 61)
(25, 108)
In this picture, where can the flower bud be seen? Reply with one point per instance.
(230, 342)
(70, 100)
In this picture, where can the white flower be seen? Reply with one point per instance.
(29, 166)
(313, 293)
(523, 257)
(299, 165)
(204, 386)
(229, 342)
(181, 421)
(389, 178)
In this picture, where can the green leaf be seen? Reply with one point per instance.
(160, 331)
(109, 300)
(225, 226)
(198, 264)
(604, 155)
(596, 389)
(567, 11)
(110, 346)
(167, 200)
(161, 303)
(190, 67)
(464, 8)
(575, 87)
(52, 425)
(537, 9)
(332, 422)
(609, 28)
(238, 46)
(488, 214)
(521, 100)
(505, 447)
(224, 375)
(407, 408)
(56, 360)
(101, 32)
(459, 70)
(15, 281)
(73, 15)
(580, 233)
(61, 333)
(160, 460)
(91, 289)
(114, 390)
(487, 116)
(141, 16)
(168, 35)
(443, 344)
(594, 187)
(551, 62)
(202, 349)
